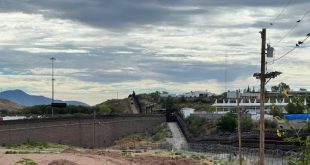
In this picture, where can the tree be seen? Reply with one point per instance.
(275, 88)
(246, 124)
(296, 106)
(282, 86)
(253, 89)
(248, 90)
(4, 112)
(103, 109)
(196, 124)
(275, 111)
(133, 93)
(294, 135)
(169, 103)
(227, 123)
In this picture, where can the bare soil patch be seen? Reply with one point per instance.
(97, 157)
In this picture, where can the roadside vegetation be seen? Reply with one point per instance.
(33, 147)
(25, 161)
(158, 134)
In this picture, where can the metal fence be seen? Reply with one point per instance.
(153, 146)
(249, 155)
(222, 152)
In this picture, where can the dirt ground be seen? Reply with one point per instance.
(94, 157)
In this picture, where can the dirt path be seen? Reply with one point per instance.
(97, 158)
(178, 141)
(133, 106)
(45, 159)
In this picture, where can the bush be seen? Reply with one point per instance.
(196, 124)
(103, 109)
(296, 107)
(270, 124)
(227, 123)
(246, 124)
(26, 161)
(275, 111)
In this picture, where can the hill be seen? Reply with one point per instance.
(25, 99)
(9, 105)
(118, 105)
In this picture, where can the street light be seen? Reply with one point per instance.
(53, 59)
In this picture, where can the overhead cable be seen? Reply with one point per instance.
(297, 45)
(278, 16)
(293, 27)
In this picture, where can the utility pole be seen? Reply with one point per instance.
(263, 76)
(53, 59)
(262, 101)
(239, 127)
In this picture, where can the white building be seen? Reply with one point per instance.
(5, 118)
(197, 94)
(244, 95)
(168, 95)
(187, 112)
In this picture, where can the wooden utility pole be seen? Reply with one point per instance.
(262, 101)
(239, 127)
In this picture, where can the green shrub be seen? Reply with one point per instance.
(270, 124)
(196, 124)
(26, 161)
(296, 107)
(227, 123)
(275, 111)
(10, 152)
(246, 124)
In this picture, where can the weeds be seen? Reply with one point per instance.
(26, 161)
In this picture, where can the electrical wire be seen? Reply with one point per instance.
(278, 16)
(291, 50)
(292, 28)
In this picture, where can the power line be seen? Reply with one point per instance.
(297, 45)
(293, 27)
(278, 16)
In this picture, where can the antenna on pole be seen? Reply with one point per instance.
(53, 59)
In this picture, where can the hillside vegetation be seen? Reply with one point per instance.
(118, 105)
(9, 105)
(202, 103)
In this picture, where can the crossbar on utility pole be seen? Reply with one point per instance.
(262, 101)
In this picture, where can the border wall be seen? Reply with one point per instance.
(85, 132)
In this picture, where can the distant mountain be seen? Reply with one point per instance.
(25, 99)
(9, 105)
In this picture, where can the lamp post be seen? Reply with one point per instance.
(52, 59)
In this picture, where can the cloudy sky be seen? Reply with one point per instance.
(105, 47)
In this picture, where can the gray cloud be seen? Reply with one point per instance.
(167, 41)
(120, 14)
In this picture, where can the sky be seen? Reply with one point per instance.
(106, 49)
